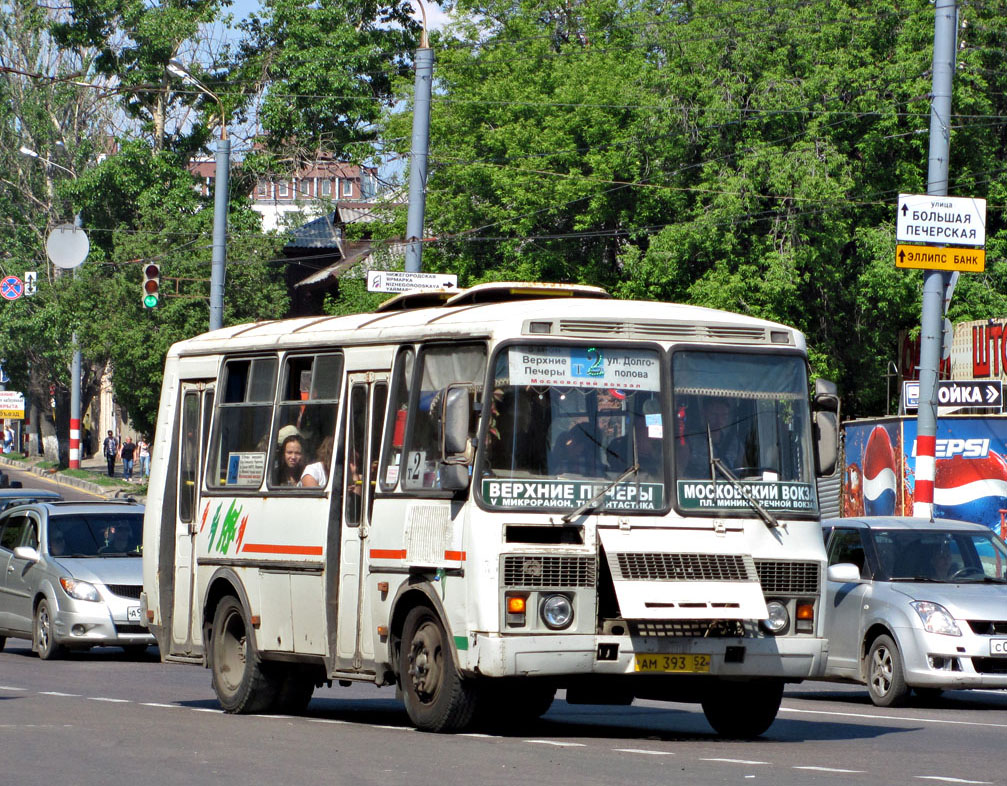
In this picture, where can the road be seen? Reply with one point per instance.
(29, 480)
(103, 718)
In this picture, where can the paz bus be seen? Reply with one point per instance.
(488, 495)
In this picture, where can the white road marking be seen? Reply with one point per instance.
(57, 693)
(559, 744)
(644, 750)
(894, 717)
(206, 709)
(478, 735)
(737, 761)
(394, 728)
(155, 704)
(327, 720)
(946, 780)
(827, 769)
(112, 701)
(10, 687)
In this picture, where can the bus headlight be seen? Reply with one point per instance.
(778, 618)
(556, 612)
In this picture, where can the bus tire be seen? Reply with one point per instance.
(240, 681)
(742, 710)
(436, 697)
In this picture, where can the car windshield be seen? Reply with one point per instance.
(95, 535)
(940, 556)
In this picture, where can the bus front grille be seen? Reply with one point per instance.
(520, 570)
(658, 330)
(643, 566)
(708, 629)
(788, 578)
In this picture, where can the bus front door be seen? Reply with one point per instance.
(368, 394)
(197, 407)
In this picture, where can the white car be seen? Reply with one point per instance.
(923, 606)
(72, 573)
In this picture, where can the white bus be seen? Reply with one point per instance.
(486, 496)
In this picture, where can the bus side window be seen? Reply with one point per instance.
(377, 418)
(440, 365)
(395, 429)
(241, 430)
(356, 428)
(307, 407)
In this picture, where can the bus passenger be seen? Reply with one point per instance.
(291, 461)
(316, 473)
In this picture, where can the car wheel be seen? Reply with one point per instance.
(239, 679)
(45, 635)
(886, 680)
(436, 696)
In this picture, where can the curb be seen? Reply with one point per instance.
(67, 480)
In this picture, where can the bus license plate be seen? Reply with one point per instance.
(998, 647)
(672, 663)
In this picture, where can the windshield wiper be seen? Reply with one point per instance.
(597, 498)
(716, 465)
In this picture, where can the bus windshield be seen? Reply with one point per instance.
(742, 426)
(565, 423)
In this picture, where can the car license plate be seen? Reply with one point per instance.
(134, 614)
(661, 663)
(998, 647)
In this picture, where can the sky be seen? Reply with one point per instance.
(436, 18)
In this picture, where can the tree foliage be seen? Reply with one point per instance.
(718, 153)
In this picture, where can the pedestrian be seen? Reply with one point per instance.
(109, 449)
(8, 439)
(126, 452)
(143, 452)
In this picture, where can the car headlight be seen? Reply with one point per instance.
(936, 618)
(778, 618)
(81, 590)
(556, 612)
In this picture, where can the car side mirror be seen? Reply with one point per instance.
(27, 553)
(844, 573)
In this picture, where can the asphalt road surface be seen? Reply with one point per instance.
(104, 718)
(30, 480)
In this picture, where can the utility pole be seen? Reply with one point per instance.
(420, 147)
(935, 281)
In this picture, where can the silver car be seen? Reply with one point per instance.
(914, 604)
(72, 574)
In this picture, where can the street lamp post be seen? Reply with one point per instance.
(75, 363)
(220, 189)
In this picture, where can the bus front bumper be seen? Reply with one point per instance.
(791, 658)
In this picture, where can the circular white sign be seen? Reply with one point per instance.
(67, 246)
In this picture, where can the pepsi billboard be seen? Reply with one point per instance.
(971, 468)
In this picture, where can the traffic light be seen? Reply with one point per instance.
(151, 284)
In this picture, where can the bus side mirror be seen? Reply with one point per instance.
(455, 445)
(826, 406)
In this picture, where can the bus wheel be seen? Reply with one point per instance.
(239, 679)
(436, 697)
(742, 710)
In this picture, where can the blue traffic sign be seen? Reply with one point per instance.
(11, 288)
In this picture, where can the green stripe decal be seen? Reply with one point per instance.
(461, 642)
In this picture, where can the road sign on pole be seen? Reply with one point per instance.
(957, 221)
(976, 393)
(30, 282)
(971, 260)
(398, 281)
(11, 288)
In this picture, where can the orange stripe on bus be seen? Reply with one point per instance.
(388, 553)
(275, 548)
(455, 555)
